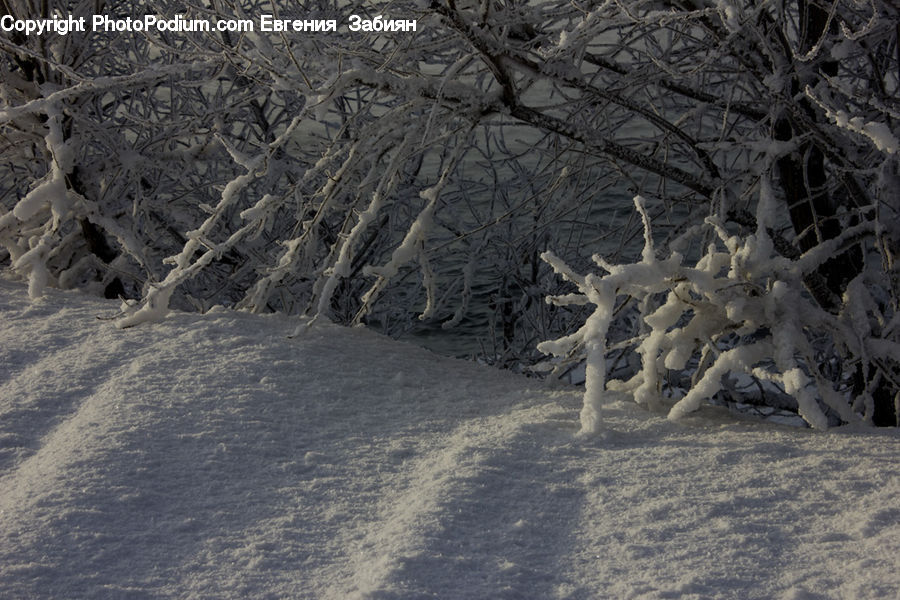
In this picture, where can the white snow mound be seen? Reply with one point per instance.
(213, 457)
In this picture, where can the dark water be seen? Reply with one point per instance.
(596, 226)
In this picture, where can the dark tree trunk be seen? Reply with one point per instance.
(814, 210)
(96, 241)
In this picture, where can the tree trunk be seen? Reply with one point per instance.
(813, 208)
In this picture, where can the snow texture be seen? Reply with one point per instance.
(213, 457)
(878, 133)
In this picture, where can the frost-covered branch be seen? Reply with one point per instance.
(740, 299)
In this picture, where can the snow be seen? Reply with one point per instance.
(879, 133)
(44, 195)
(210, 456)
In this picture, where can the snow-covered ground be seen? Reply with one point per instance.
(213, 457)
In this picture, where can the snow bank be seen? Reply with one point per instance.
(213, 457)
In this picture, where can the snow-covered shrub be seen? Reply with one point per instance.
(110, 153)
(740, 308)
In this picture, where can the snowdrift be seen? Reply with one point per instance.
(213, 457)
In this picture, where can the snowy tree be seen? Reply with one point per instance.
(378, 174)
(108, 149)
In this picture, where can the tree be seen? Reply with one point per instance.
(758, 137)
